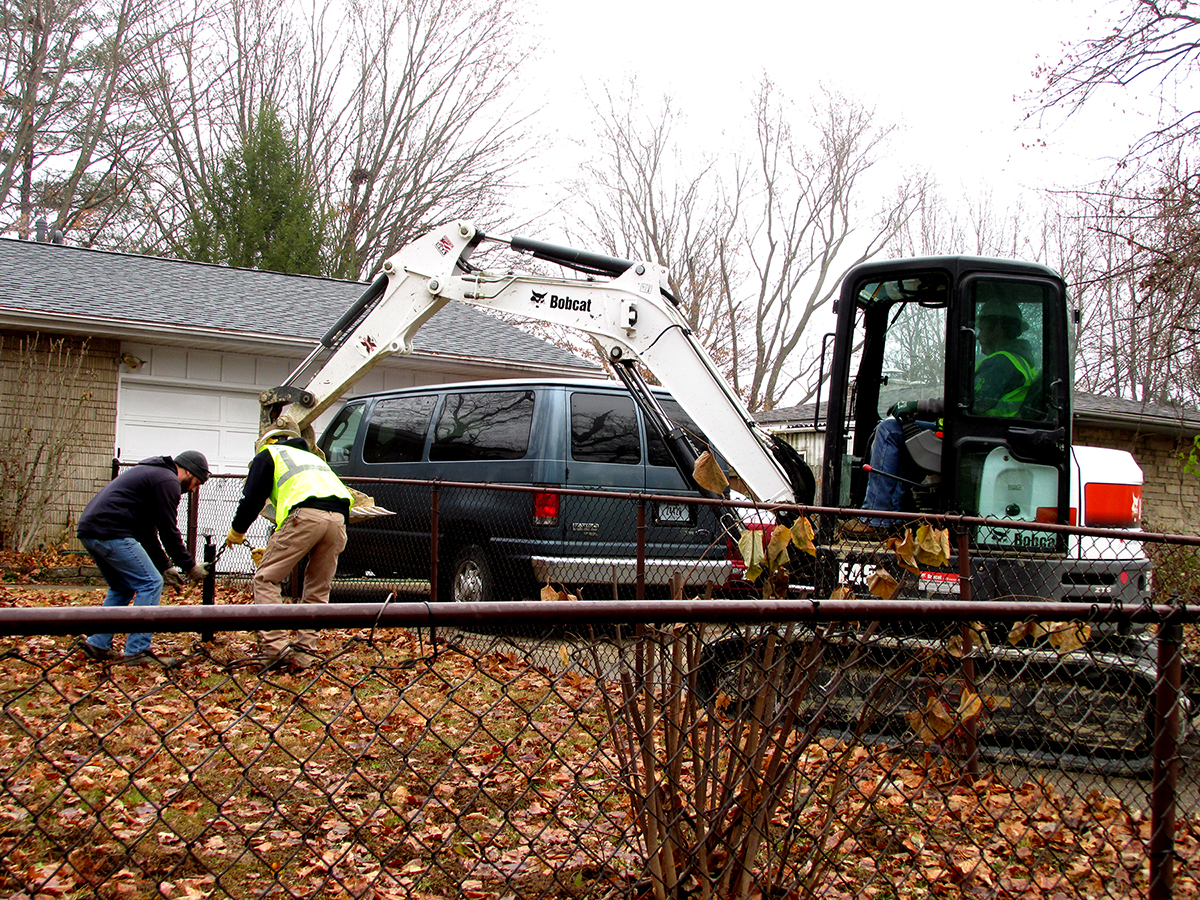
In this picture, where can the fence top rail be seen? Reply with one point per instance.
(86, 620)
(946, 520)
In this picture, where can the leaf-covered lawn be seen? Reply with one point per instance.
(484, 771)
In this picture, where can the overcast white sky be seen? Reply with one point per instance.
(953, 75)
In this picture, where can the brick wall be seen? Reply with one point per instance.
(1170, 496)
(89, 451)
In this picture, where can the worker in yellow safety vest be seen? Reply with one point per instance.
(311, 507)
(1004, 374)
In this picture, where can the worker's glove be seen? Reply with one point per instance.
(257, 554)
(904, 409)
(234, 537)
(172, 577)
(198, 572)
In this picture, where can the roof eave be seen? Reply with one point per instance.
(258, 343)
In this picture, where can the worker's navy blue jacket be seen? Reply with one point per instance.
(141, 503)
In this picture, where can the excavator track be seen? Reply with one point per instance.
(1084, 710)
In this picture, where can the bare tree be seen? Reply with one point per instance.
(400, 108)
(1152, 42)
(1138, 283)
(756, 245)
(74, 136)
(647, 198)
(1141, 307)
(44, 385)
(803, 228)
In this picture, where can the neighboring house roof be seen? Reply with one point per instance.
(1090, 409)
(1148, 418)
(75, 290)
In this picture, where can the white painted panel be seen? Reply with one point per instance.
(272, 371)
(140, 441)
(167, 362)
(203, 365)
(242, 408)
(237, 368)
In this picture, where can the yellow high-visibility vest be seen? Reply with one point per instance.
(298, 476)
(1010, 404)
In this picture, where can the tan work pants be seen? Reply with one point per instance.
(317, 534)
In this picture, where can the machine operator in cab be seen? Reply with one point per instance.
(1004, 375)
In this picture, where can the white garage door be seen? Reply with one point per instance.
(202, 400)
(157, 420)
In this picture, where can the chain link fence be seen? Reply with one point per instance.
(945, 708)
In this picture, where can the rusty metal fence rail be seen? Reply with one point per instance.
(783, 748)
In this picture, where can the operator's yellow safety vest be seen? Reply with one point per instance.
(1010, 404)
(298, 476)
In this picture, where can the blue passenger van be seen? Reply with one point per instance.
(500, 545)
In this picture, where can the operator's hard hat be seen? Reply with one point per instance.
(274, 436)
(195, 462)
(1002, 308)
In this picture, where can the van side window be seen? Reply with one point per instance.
(483, 425)
(604, 429)
(338, 439)
(397, 429)
(656, 451)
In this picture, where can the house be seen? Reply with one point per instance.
(177, 352)
(1159, 437)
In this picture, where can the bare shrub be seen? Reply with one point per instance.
(44, 384)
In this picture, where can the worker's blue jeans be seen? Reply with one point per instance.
(887, 455)
(132, 577)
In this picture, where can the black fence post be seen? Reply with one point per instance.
(1167, 694)
(641, 548)
(433, 545)
(193, 520)
(971, 726)
(116, 469)
(208, 590)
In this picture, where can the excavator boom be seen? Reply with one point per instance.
(625, 312)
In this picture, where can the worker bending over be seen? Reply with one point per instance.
(311, 508)
(125, 528)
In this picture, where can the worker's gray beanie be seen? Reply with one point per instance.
(195, 462)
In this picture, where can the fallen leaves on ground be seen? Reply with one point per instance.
(483, 769)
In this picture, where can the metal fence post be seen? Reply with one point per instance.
(1167, 692)
(208, 590)
(193, 521)
(433, 545)
(641, 548)
(970, 727)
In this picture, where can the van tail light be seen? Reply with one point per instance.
(1112, 505)
(1048, 515)
(545, 508)
(733, 552)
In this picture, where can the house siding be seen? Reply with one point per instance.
(1170, 496)
(88, 453)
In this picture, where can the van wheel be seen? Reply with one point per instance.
(471, 580)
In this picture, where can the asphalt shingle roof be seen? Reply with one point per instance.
(1088, 408)
(54, 280)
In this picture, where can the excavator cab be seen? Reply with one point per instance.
(982, 345)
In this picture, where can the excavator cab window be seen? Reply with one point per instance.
(1013, 351)
(914, 354)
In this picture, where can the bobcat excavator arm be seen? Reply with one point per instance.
(621, 305)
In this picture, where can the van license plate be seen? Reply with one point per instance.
(674, 513)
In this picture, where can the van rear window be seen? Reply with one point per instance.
(483, 425)
(398, 428)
